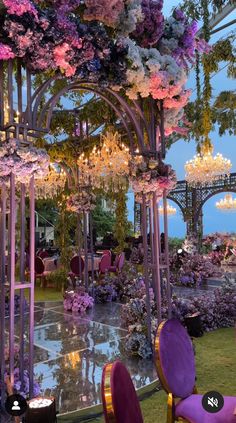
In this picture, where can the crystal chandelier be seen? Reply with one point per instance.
(171, 211)
(52, 184)
(205, 168)
(228, 203)
(107, 167)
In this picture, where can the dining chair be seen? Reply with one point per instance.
(175, 363)
(113, 268)
(76, 266)
(43, 254)
(104, 264)
(40, 272)
(119, 398)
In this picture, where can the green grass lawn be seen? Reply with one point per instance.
(46, 294)
(216, 369)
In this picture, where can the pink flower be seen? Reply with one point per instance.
(6, 52)
(19, 7)
(62, 54)
(106, 11)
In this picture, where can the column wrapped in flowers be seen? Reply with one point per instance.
(80, 202)
(149, 176)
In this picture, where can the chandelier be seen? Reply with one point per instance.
(171, 211)
(106, 167)
(52, 184)
(205, 168)
(228, 203)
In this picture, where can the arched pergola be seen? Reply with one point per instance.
(33, 120)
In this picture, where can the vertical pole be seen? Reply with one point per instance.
(91, 249)
(162, 130)
(85, 252)
(3, 280)
(10, 90)
(19, 89)
(146, 275)
(12, 276)
(22, 278)
(167, 261)
(32, 281)
(151, 230)
(79, 246)
(157, 258)
(2, 117)
(29, 101)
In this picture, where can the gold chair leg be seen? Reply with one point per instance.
(170, 409)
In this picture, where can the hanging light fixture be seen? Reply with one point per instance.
(228, 203)
(205, 168)
(171, 211)
(52, 184)
(107, 166)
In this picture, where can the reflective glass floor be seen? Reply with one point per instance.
(71, 351)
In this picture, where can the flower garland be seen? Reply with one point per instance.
(149, 177)
(81, 202)
(23, 160)
(118, 43)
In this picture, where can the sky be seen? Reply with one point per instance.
(182, 151)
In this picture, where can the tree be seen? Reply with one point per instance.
(103, 221)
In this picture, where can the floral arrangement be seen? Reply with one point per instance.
(16, 306)
(21, 387)
(149, 176)
(23, 160)
(118, 43)
(216, 257)
(190, 244)
(216, 310)
(81, 202)
(104, 292)
(191, 270)
(77, 302)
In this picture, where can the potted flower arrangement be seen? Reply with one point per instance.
(77, 302)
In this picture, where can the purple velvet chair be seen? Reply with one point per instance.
(104, 264)
(76, 264)
(120, 401)
(175, 363)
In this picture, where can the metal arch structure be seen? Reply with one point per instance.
(191, 200)
(25, 114)
(34, 119)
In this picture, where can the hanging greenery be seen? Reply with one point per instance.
(122, 226)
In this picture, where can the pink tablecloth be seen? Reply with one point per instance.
(51, 264)
(96, 261)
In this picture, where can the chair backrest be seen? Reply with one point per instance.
(43, 254)
(77, 264)
(105, 263)
(174, 358)
(39, 266)
(121, 261)
(116, 261)
(106, 252)
(120, 401)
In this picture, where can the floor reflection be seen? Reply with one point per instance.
(76, 351)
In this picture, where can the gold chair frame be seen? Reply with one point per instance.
(171, 400)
